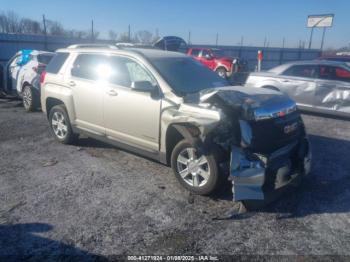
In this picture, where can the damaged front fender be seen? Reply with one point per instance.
(204, 119)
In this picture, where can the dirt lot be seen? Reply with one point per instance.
(93, 199)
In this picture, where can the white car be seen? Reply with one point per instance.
(22, 76)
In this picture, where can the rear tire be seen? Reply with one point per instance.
(30, 98)
(60, 125)
(199, 174)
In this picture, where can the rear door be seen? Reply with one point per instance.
(333, 89)
(88, 91)
(299, 82)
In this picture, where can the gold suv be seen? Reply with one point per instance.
(167, 106)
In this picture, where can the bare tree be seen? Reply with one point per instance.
(29, 26)
(123, 37)
(55, 28)
(9, 23)
(145, 36)
(113, 35)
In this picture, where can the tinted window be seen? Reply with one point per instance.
(195, 52)
(56, 63)
(334, 73)
(44, 59)
(186, 75)
(302, 71)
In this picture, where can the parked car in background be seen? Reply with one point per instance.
(166, 106)
(21, 76)
(319, 86)
(216, 60)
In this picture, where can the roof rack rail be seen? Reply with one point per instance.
(92, 46)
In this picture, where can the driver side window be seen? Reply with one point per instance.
(205, 53)
(137, 72)
(128, 71)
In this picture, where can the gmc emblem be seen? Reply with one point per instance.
(290, 128)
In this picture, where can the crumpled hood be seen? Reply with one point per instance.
(250, 102)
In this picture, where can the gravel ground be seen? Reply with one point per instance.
(93, 199)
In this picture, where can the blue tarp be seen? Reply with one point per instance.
(25, 57)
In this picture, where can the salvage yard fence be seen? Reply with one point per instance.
(11, 43)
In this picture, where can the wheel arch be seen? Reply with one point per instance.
(177, 132)
(272, 87)
(222, 66)
(50, 103)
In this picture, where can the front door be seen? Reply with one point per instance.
(131, 116)
(299, 82)
(207, 59)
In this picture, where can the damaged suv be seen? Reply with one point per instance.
(167, 106)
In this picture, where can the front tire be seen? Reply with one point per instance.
(221, 72)
(60, 125)
(30, 98)
(197, 173)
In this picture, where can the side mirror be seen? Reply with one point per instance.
(142, 86)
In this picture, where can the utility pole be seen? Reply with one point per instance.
(189, 38)
(283, 42)
(242, 39)
(265, 41)
(217, 39)
(312, 32)
(45, 32)
(92, 31)
(129, 34)
(323, 34)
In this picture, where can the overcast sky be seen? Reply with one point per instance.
(231, 19)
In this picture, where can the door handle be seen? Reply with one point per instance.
(285, 81)
(112, 92)
(71, 83)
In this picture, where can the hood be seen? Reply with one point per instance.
(250, 103)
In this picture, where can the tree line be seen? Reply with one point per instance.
(11, 23)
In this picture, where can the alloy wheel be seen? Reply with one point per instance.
(59, 125)
(27, 97)
(193, 169)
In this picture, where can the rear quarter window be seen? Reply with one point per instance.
(56, 63)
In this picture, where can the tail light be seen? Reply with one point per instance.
(42, 77)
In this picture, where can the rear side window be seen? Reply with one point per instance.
(56, 63)
(309, 71)
(334, 73)
(90, 66)
(44, 59)
(195, 52)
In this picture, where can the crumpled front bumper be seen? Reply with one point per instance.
(255, 177)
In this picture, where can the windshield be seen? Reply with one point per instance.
(185, 75)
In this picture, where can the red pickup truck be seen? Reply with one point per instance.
(215, 60)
